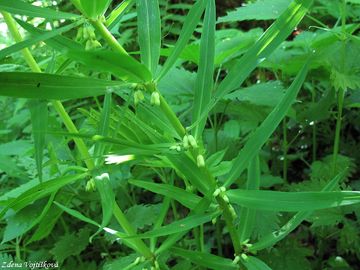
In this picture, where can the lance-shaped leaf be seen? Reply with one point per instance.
(94, 8)
(204, 80)
(191, 21)
(39, 191)
(263, 48)
(22, 8)
(39, 121)
(264, 131)
(292, 201)
(121, 65)
(207, 260)
(178, 226)
(35, 38)
(247, 218)
(149, 29)
(267, 43)
(188, 199)
(102, 183)
(293, 223)
(253, 263)
(50, 86)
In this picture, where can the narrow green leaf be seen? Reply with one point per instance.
(264, 131)
(22, 8)
(253, 263)
(205, 259)
(94, 8)
(37, 38)
(49, 220)
(39, 122)
(103, 128)
(188, 199)
(59, 43)
(187, 167)
(204, 81)
(50, 86)
(272, 238)
(247, 218)
(292, 201)
(39, 191)
(178, 226)
(149, 29)
(191, 21)
(77, 214)
(107, 196)
(267, 43)
(116, 15)
(121, 65)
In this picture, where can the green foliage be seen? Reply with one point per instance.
(159, 135)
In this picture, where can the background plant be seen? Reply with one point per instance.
(171, 139)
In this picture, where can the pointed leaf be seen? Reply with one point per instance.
(49, 86)
(264, 131)
(149, 29)
(204, 80)
(23, 8)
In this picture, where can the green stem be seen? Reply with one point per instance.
(229, 220)
(174, 120)
(72, 129)
(109, 38)
(285, 150)
(314, 132)
(341, 95)
(17, 37)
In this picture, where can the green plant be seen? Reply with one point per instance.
(171, 145)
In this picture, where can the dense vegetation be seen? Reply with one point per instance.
(158, 134)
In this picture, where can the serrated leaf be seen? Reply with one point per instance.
(70, 245)
(142, 215)
(258, 10)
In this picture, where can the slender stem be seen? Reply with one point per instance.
(219, 238)
(285, 150)
(110, 39)
(17, 37)
(174, 120)
(79, 142)
(341, 95)
(229, 220)
(314, 132)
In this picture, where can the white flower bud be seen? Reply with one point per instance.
(223, 189)
(138, 97)
(186, 142)
(236, 259)
(216, 192)
(155, 99)
(225, 198)
(244, 256)
(192, 141)
(200, 161)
